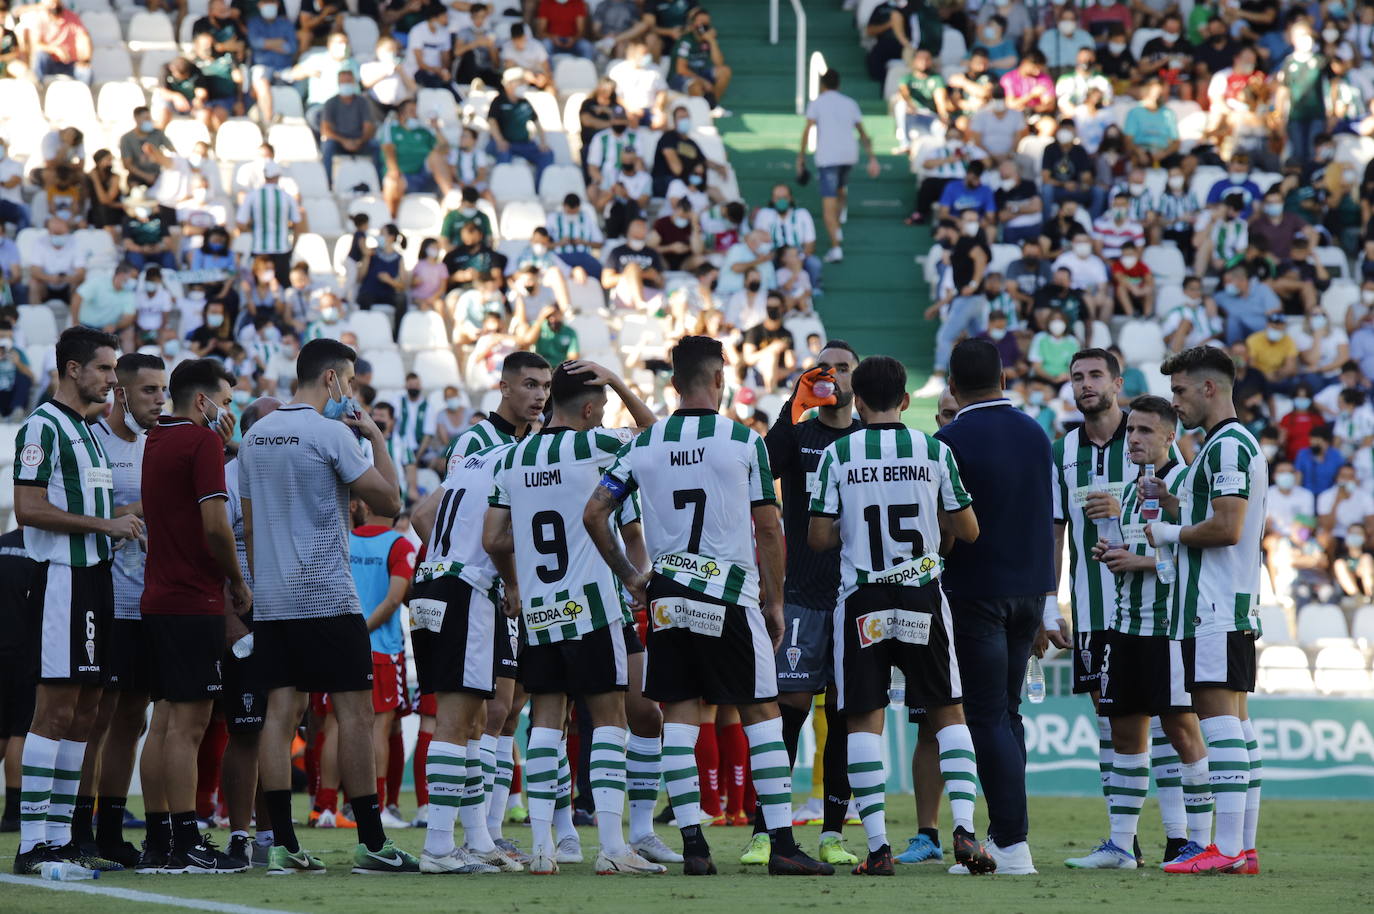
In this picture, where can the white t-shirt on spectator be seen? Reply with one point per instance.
(1281, 509)
(1351, 512)
(533, 57)
(10, 168)
(998, 133)
(430, 42)
(1084, 272)
(52, 145)
(744, 309)
(152, 309)
(52, 260)
(173, 183)
(1330, 346)
(636, 87)
(795, 227)
(1204, 327)
(389, 89)
(677, 189)
(836, 115)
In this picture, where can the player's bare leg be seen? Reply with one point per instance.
(927, 784)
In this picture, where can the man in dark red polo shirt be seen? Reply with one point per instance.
(191, 555)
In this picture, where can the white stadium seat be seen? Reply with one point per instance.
(512, 181)
(419, 215)
(286, 104)
(116, 102)
(68, 101)
(1321, 624)
(21, 103)
(352, 172)
(98, 247)
(388, 371)
(1343, 670)
(557, 182)
(421, 330)
(1002, 257)
(1283, 669)
(377, 213)
(1362, 630)
(293, 143)
(362, 37)
(309, 178)
(1166, 262)
(238, 140)
(111, 65)
(322, 214)
(521, 218)
(150, 31)
(104, 29)
(38, 325)
(150, 64)
(437, 104)
(574, 74)
(185, 133)
(373, 329)
(311, 247)
(1141, 341)
(1274, 625)
(437, 368)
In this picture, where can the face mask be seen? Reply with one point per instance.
(520, 91)
(1067, 27)
(1231, 289)
(1275, 334)
(1301, 403)
(684, 124)
(1367, 296)
(1116, 47)
(329, 315)
(753, 285)
(2, 152)
(1285, 480)
(453, 403)
(1064, 136)
(339, 51)
(1037, 398)
(347, 89)
(694, 180)
(970, 228)
(628, 168)
(1269, 450)
(997, 333)
(145, 126)
(1273, 209)
(1135, 188)
(268, 11)
(413, 123)
(1331, 35)
(1119, 212)
(1354, 540)
(782, 204)
(271, 333)
(636, 244)
(1318, 447)
(681, 221)
(1302, 45)
(1057, 327)
(1169, 37)
(1083, 249)
(171, 348)
(1105, 4)
(1319, 322)
(539, 250)
(413, 393)
(1129, 261)
(58, 241)
(990, 32)
(241, 397)
(214, 320)
(997, 106)
(335, 408)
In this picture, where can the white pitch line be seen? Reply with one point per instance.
(195, 904)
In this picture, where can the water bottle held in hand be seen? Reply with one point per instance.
(824, 389)
(1149, 508)
(1108, 528)
(896, 692)
(65, 871)
(243, 647)
(1165, 570)
(1035, 681)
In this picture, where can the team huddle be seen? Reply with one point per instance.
(645, 573)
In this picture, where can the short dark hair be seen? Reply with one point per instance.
(1113, 364)
(830, 79)
(197, 376)
(79, 344)
(839, 344)
(568, 388)
(693, 358)
(975, 366)
(880, 381)
(522, 359)
(318, 356)
(386, 405)
(1324, 432)
(131, 363)
(1200, 358)
(1155, 406)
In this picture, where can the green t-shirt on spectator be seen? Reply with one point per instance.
(694, 50)
(556, 346)
(455, 219)
(1304, 79)
(513, 116)
(1053, 354)
(923, 89)
(217, 76)
(412, 146)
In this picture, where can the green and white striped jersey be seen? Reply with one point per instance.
(580, 227)
(478, 437)
(56, 450)
(413, 422)
(1218, 588)
(1077, 462)
(270, 211)
(566, 589)
(699, 475)
(455, 544)
(1142, 602)
(887, 485)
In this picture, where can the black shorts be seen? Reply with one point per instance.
(589, 665)
(126, 662)
(1141, 674)
(700, 647)
(632, 643)
(330, 654)
(184, 656)
(880, 626)
(453, 631)
(1087, 660)
(1220, 660)
(805, 662)
(76, 606)
(510, 645)
(18, 689)
(244, 700)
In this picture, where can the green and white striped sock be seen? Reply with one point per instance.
(487, 745)
(562, 810)
(66, 780)
(1228, 767)
(1167, 769)
(472, 811)
(541, 783)
(1252, 795)
(35, 790)
(642, 762)
(1130, 784)
(959, 768)
(608, 786)
(771, 772)
(500, 787)
(680, 773)
(1197, 801)
(868, 783)
(1105, 754)
(445, 774)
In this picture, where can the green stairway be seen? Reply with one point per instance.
(876, 296)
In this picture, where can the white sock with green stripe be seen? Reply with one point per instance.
(446, 775)
(1167, 768)
(35, 790)
(680, 773)
(541, 783)
(1130, 784)
(1252, 794)
(1228, 767)
(500, 786)
(562, 807)
(1197, 801)
(959, 768)
(66, 779)
(642, 764)
(607, 770)
(1105, 754)
(771, 772)
(487, 746)
(868, 783)
(472, 811)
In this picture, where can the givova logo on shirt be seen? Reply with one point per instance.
(903, 625)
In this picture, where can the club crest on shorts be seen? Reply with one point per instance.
(793, 657)
(90, 651)
(1087, 658)
(247, 699)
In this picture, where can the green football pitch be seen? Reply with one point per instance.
(1313, 855)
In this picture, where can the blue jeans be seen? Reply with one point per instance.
(1022, 233)
(992, 639)
(812, 264)
(15, 214)
(140, 260)
(527, 150)
(581, 47)
(582, 259)
(1240, 324)
(1302, 137)
(967, 313)
(1093, 199)
(46, 65)
(331, 148)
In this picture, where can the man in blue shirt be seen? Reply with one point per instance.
(970, 193)
(1319, 462)
(273, 41)
(996, 585)
(1246, 302)
(1237, 182)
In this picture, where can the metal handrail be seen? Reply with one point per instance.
(800, 99)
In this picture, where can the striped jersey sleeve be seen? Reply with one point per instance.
(953, 495)
(761, 489)
(35, 452)
(825, 497)
(1228, 469)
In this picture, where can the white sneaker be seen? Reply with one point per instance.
(718, 111)
(542, 863)
(326, 820)
(809, 814)
(512, 849)
(393, 821)
(933, 387)
(844, 215)
(834, 255)
(1012, 861)
(456, 861)
(421, 819)
(569, 850)
(497, 858)
(1107, 856)
(626, 862)
(653, 848)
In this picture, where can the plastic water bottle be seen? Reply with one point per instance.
(1035, 681)
(1108, 528)
(823, 389)
(896, 692)
(1149, 507)
(1164, 565)
(65, 871)
(243, 648)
